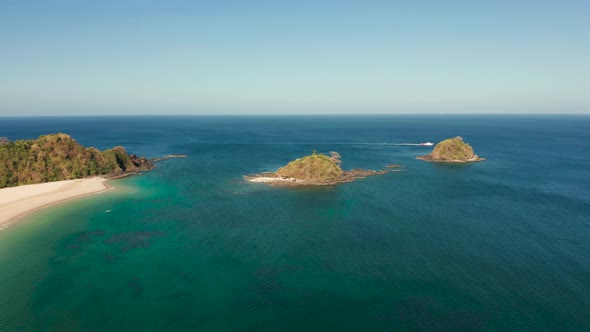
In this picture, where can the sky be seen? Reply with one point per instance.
(85, 57)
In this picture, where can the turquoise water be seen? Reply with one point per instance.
(499, 245)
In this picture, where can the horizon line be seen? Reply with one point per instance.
(279, 114)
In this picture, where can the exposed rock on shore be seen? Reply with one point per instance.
(452, 150)
(169, 156)
(314, 170)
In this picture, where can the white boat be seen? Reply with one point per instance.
(427, 144)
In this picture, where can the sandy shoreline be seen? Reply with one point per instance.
(268, 179)
(16, 202)
(346, 177)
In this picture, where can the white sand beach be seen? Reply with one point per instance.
(275, 180)
(15, 202)
(266, 179)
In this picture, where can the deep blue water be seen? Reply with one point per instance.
(498, 245)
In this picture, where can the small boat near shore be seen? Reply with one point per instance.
(426, 144)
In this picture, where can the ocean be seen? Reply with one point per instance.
(501, 245)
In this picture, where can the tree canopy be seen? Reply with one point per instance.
(58, 157)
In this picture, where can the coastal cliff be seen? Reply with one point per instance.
(452, 150)
(314, 170)
(58, 157)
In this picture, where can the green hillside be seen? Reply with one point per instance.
(58, 157)
(313, 168)
(452, 149)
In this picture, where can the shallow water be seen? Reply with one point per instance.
(498, 245)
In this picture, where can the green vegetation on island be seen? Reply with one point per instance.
(315, 167)
(452, 150)
(58, 157)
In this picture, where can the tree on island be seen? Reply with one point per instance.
(336, 157)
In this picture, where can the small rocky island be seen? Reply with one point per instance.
(58, 157)
(316, 169)
(452, 150)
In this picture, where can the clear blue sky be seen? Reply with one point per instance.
(237, 57)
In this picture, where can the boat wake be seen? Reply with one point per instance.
(414, 144)
(341, 143)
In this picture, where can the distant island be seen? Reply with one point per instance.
(57, 157)
(452, 150)
(316, 169)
